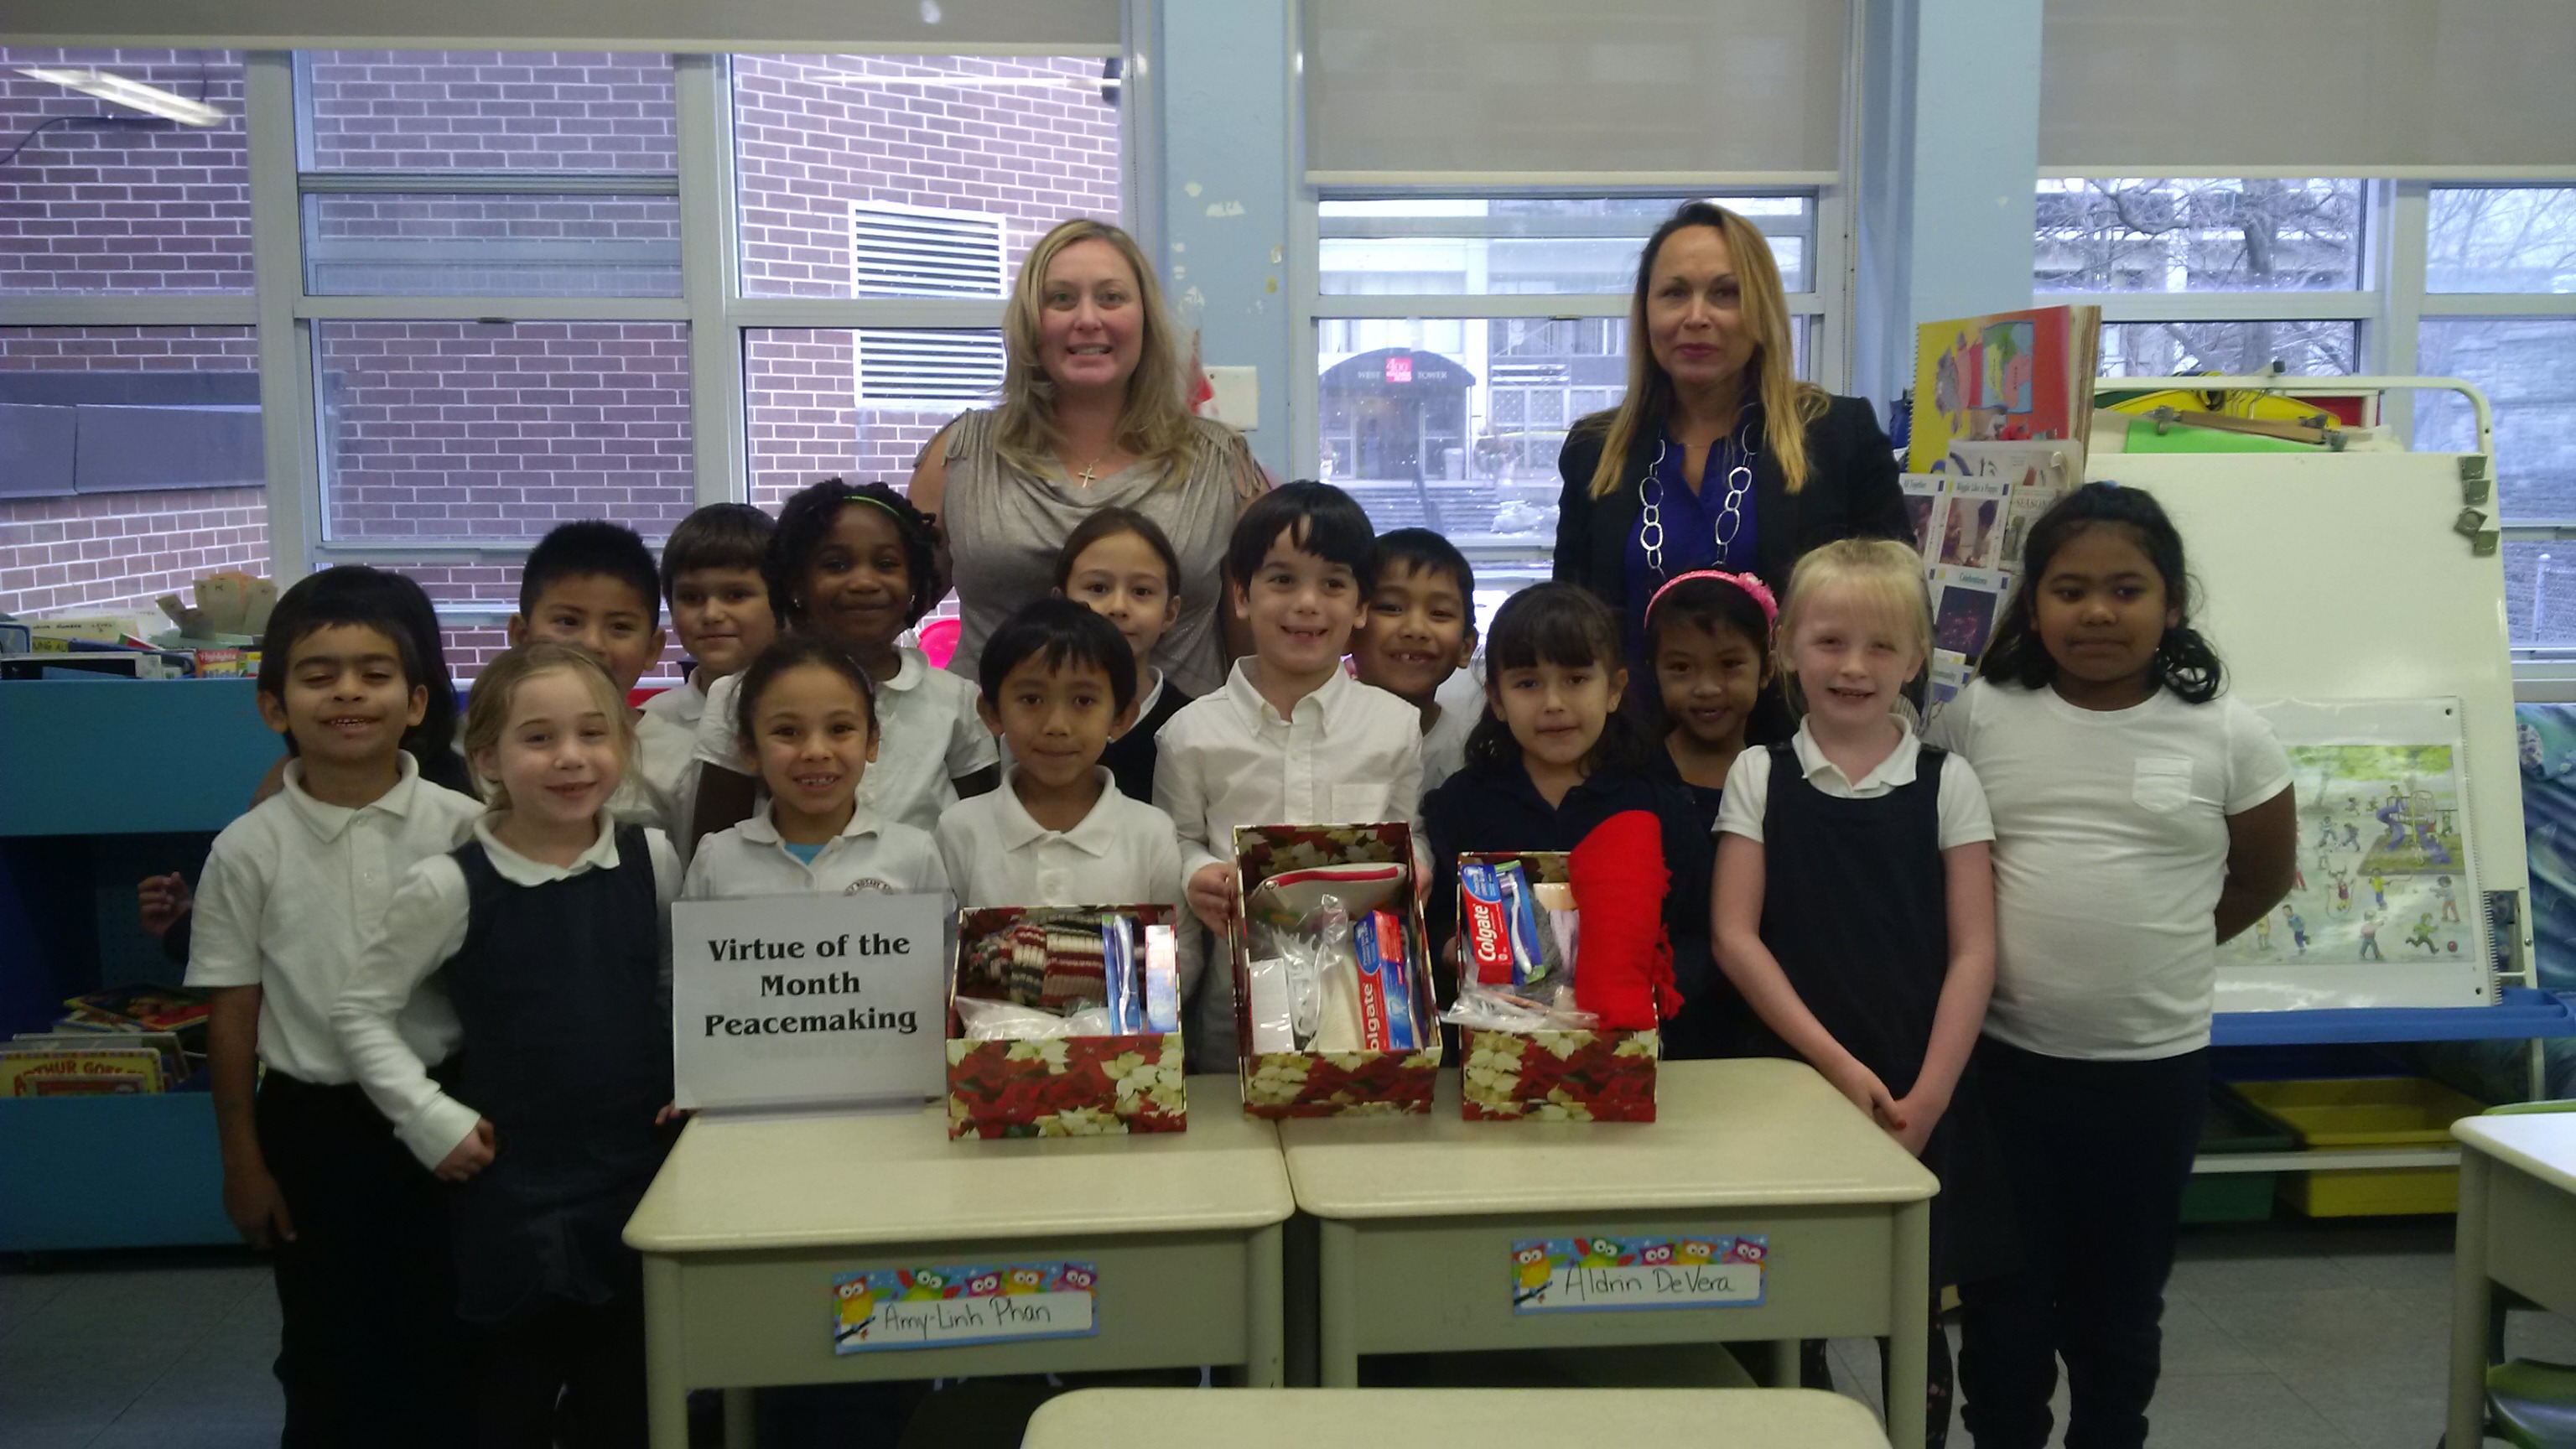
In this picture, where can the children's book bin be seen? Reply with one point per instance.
(1550, 1076)
(1291, 1083)
(1070, 1086)
(2366, 1112)
(2234, 1128)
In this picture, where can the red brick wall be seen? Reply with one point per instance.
(113, 551)
(810, 144)
(147, 207)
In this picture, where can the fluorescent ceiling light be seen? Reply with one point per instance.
(109, 86)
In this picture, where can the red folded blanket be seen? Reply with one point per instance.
(1623, 968)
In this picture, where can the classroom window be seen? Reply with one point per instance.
(133, 464)
(2238, 349)
(2540, 594)
(2527, 368)
(481, 433)
(2198, 235)
(1486, 246)
(483, 111)
(829, 148)
(105, 196)
(2501, 239)
(581, 244)
(808, 414)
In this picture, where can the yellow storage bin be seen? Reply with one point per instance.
(2366, 1112)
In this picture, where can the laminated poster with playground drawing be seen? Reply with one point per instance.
(2384, 877)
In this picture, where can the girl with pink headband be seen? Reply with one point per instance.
(1708, 642)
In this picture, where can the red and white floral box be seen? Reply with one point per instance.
(1551, 1076)
(1335, 1083)
(1070, 1086)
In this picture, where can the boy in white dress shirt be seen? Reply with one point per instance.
(1290, 739)
(593, 585)
(719, 602)
(1057, 682)
(368, 1351)
(1420, 630)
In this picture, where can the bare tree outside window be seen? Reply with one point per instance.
(2229, 235)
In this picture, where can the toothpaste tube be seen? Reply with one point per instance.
(1483, 924)
(1520, 920)
(1386, 1003)
(1118, 974)
(1162, 981)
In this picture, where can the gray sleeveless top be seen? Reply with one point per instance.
(1005, 528)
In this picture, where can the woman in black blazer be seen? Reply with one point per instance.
(1743, 467)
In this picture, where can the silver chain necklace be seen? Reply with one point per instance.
(1730, 509)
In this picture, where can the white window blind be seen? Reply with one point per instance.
(928, 370)
(2308, 88)
(957, 27)
(1508, 92)
(920, 251)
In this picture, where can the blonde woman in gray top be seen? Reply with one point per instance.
(1092, 414)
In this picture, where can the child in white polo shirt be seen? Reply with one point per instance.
(1290, 739)
(806, 716)
(1058, 680)
(368, 1350)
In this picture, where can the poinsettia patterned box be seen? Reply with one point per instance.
(1553, 1076)
(1074, 1086)
(1333, 1084)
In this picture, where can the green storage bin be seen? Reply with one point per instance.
(2234, 1197)
(2367, 1112)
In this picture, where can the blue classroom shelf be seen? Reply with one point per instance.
(108, 758)
(2520, 1013)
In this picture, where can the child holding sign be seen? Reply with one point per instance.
(807, 717)
(547, 933)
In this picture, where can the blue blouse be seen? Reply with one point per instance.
(1692, 523)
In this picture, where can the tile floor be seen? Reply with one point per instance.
(2277, 1336)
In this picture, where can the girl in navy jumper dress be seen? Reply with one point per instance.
(1855, 903)
(1553, 758)
(546, 932)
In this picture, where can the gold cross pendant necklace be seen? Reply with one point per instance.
(1090, 473)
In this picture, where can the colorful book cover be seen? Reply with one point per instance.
(2005, 377)
(149, 1008)
(1970, 523)
(1922, 499)
(1964, 605)
(18, 1066)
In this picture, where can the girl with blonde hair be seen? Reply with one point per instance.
(1094, 414)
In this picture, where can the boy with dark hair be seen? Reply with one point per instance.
(719, 598)
(1421, 629)
(1121, 565)
(368, 1351)
(1290, 739)
(1057, 681)
(593, 585)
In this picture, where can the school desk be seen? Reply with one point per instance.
(2517, 1227)
(1419, 1218)
(749, 1221)
(1486, 1418)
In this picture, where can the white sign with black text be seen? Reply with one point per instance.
(793, 1001)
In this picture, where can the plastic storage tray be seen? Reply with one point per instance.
(2369, 1112)
(2234, 1197)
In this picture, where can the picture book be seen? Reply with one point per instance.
(1964, 603)
(1969, 524)
(19, 1065)
(1922, 499)
(2006, 377)
(145, 1008)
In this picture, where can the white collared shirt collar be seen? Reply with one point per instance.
(910, 667)
(327, 820)
(1327, 699)
(1149, 692)
(1095, 834)
(762, 828)
(1894, 771)
(518, 869)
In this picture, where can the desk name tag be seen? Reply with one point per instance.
(948, 1307)
(1611, 1275)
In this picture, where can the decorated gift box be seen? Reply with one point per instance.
(1334, 1009)
(1518, 930)
(1065, 1022)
